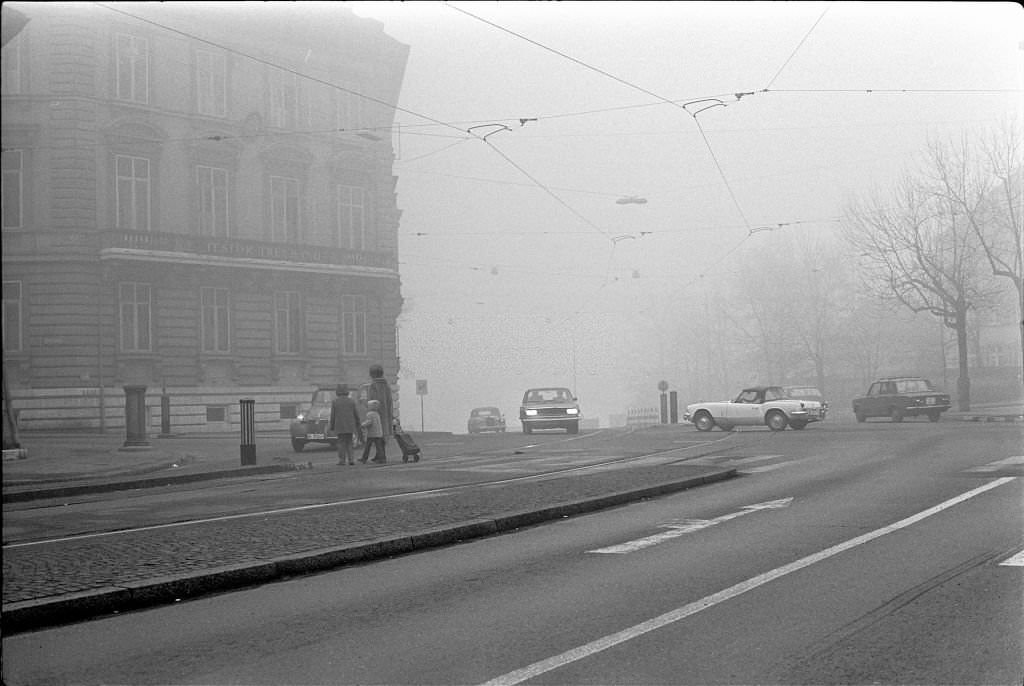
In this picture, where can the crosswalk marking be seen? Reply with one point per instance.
(681, 527)
(1014, 561)
(996, 465)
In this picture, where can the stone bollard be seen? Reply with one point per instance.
(247, 449)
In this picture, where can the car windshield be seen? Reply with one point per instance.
(748, 396)
(323, 397)
(913, 386)
(548, 395)
(485, 412)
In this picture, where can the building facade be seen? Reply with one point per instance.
(198, 199)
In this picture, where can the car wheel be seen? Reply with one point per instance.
(934, 416)
(861, 417)
(573, 428)
(798, 425)
(527, 430)
(726, 427)
(776, 421)
(298, 445)
(896, 415)
(703, 421)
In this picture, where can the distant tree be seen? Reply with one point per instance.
(982, 178)
(919, 250)
(796, 290)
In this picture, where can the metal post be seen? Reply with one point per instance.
(247, 449)
(673, 407)
(135, 417)
(165, 414)
(664, 409)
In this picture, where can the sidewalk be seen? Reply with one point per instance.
(1009, 412)
(80, 578)
(59, 465)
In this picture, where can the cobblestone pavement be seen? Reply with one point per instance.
(47, 582)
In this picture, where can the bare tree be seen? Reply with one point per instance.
(918, 250)
(795, 291)
(982, 179)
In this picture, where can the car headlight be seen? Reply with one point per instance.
(531, 413)
(300, 417)
(573, 410)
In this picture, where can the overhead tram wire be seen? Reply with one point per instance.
(629, 84)
(798, 46)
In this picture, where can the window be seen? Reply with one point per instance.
(287, 321)
(353, 324)
(132, 68)
(351, 218)
(284, 99)
(216, 413)
(284, 208)
(136, 307)
(12, 81)
(12, 323)
(213, 200)
(349, 111)
(132, 189)
(215, 320)
(13, 185)
(211, 83)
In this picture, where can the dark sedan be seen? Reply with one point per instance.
(899, 397)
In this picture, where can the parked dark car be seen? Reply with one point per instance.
(483, 419)
(901, 396)
(310, 425)
(550, 408)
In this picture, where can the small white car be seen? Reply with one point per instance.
(757, 406)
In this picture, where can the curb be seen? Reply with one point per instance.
(29, 615)
(986, 417)
(20, 496)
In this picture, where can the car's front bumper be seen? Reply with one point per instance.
(312, 431)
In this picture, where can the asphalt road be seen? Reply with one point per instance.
(843, 555)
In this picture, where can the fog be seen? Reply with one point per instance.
(519, 267)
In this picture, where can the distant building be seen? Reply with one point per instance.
(198, 198)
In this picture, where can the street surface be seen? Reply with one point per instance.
(843, 554)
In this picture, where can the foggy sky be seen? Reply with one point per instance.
(524, 272)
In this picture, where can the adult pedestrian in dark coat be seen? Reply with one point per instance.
(345, 423)
(381, 392)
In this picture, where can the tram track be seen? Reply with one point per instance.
(448, 463)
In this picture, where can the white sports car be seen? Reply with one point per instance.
(758, 406)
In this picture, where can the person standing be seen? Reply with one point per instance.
(374, 434)
(381, 392)
(345, 423)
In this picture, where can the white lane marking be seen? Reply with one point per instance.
(766, 468)
(1015, 561)
(580, 652)
(677, 529)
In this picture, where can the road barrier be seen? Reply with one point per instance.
(640, 417)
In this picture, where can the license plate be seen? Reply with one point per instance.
(315, 437)
(929, 401)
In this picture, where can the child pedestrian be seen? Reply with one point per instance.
(374, 434)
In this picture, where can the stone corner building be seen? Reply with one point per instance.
(198, 199)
